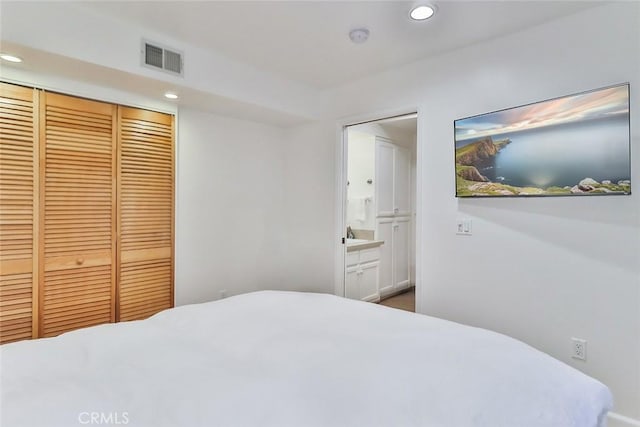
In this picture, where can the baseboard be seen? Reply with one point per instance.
(395, 292)
(372, 298)
(617, 420)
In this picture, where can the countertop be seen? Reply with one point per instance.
(360, 244)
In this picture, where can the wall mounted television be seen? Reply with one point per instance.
(576, 145)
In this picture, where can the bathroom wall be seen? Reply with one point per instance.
(361, 169)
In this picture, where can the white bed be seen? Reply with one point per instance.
(292, 359)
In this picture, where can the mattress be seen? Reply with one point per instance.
(291, 359)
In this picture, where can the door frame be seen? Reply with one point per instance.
(340, 249)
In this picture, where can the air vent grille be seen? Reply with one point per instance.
(172, 61)
(153, 55)
(157, 56)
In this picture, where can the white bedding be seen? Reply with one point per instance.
(291, 359)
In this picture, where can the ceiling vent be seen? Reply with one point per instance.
(159, 57)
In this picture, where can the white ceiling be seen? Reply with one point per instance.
(307, 41)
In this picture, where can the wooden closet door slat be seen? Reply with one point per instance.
(78, 213)
(146, 212)
(18, 212)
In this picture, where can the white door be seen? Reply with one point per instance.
(384, 232)
(402, 182)
(401, 234)
(351, 287)
(384, 178)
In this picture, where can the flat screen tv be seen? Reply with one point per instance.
(576, 145)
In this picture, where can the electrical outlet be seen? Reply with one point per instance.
(223, 294)
(579, 348)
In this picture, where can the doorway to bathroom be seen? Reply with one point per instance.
(380, 211)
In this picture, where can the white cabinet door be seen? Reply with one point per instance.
(401, 240)
(384, 178)
(362, 278)
(393, 179)
(369, 281)
(351, 288)
(393, 210)
(402, 182)
(384, 232)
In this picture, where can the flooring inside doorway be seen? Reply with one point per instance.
(404, 301)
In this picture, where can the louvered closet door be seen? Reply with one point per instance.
(79, 213)
(146, 213)
(18, 211)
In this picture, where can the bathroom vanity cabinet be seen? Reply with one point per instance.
(363, 270)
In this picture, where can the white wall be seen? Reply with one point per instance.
(396, 135)
(229, 219)
(310, 206)
(361, 167)
(542, 270)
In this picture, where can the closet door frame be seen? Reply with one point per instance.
(38, 218)
(39, 295)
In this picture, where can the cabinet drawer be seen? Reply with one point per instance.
(367, 255)
(353, 258)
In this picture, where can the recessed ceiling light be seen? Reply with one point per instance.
(421, 12)
(10, 58)
(171, 95)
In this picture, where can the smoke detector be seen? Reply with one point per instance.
(359, 35)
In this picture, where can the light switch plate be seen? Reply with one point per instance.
(464, 227)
